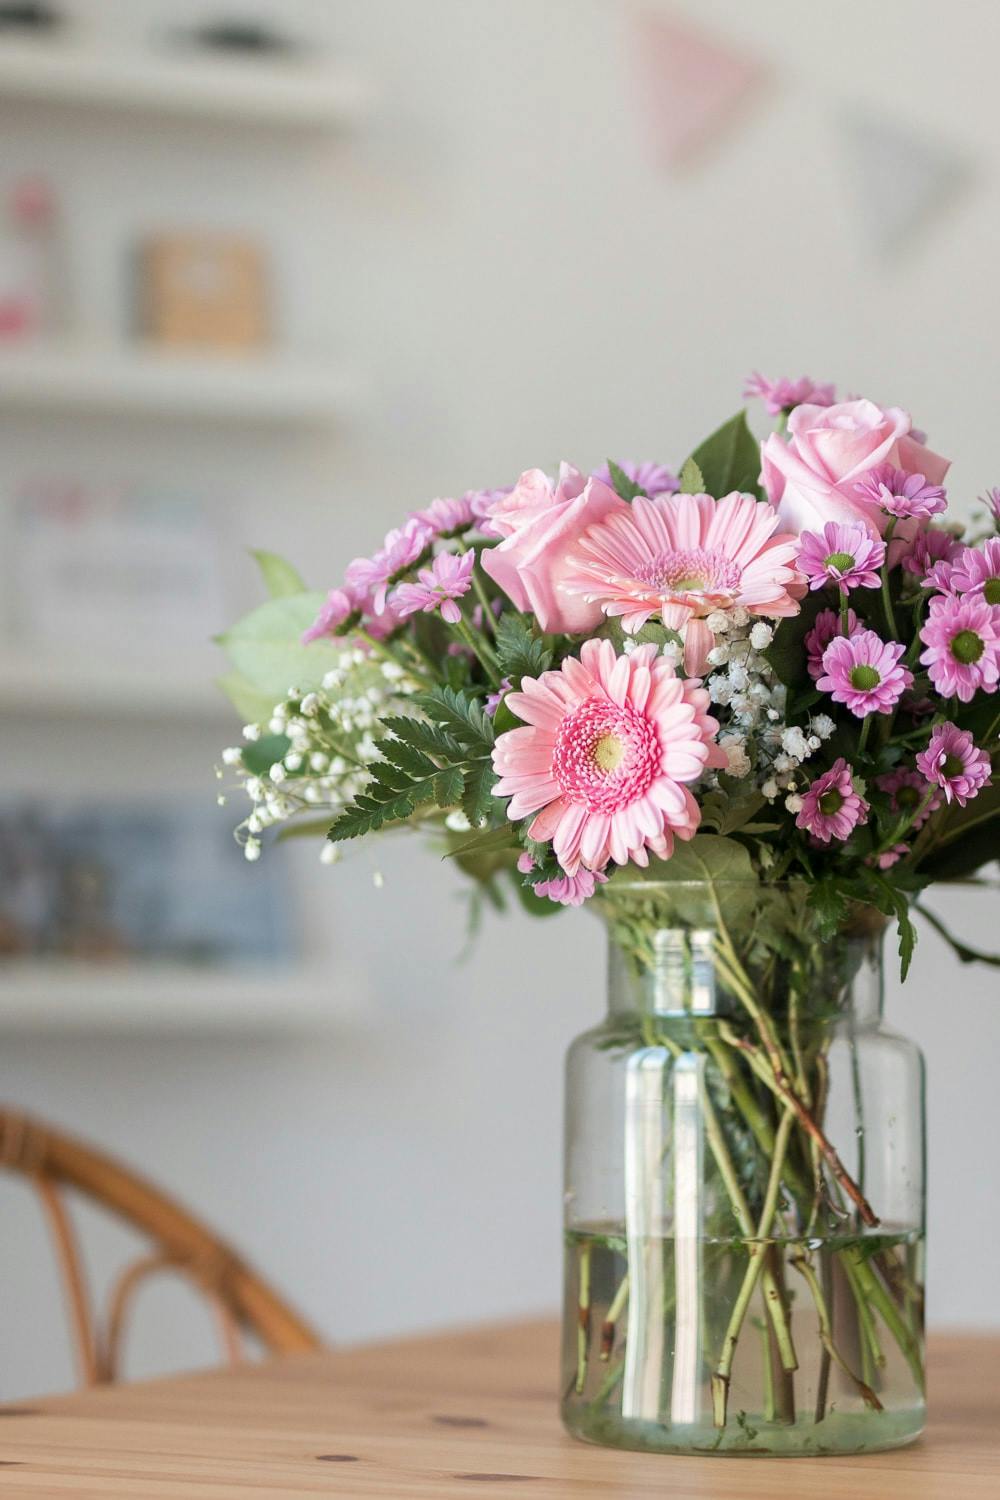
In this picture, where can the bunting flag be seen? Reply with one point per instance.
(692, 84)
(902, 180)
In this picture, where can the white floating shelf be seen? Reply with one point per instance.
(150, 382)
(184, 84)
(51, 996)
(34, 683)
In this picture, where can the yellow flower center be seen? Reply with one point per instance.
(608, 753)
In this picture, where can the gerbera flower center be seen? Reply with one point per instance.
(841, 561)
(605, 755)
(690, 571)
(865, 678)
(831, 802)
(967, 647)
(991, 591)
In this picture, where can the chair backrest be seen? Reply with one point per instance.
(240, 1300)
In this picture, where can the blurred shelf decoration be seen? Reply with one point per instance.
(279, 90)
(38, 997)
(272, 387)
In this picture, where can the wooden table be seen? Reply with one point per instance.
(457, 1417)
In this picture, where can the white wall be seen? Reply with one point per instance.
(500, 253)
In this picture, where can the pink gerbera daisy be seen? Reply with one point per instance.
(831, 808)
(609, 745)
(844, 553)
(448, 578)
(906, 791)
(901, 494)
(863, 672)
(825, 627)
(962, 637)
(682, 557)
(952, 762)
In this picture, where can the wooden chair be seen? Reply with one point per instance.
(239, 1299)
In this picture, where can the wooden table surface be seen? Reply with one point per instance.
(456, 1417)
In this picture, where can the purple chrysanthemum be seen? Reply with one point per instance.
(842, 553)
(906, 791)
(862, 671)
(784, 394)
(953, 762)
(494, 700)
(825, 627)
(976, 570)
(446, 517)
(992, 502)
(901, 494)
(481, 502)
(930, 546)
(652, 477)
(400, 550)
(336, 609)
(448, 579)
(962, 637)
(831, 808)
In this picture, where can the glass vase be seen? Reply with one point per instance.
(744, 1231)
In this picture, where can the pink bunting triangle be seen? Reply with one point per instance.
(693, 84)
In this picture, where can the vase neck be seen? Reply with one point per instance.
(684, 975)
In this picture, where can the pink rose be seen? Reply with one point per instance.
(811, 478)
(541, 526)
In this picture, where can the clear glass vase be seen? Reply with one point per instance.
(744, 1184)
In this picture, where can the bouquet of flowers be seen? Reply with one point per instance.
(748, 712)
(785, 646)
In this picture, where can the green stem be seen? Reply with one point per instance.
(389, 653)
(758, 1248)
(866, 725)
(583, 1319)
(803, 1266)
(479, 587)
(480, 647)
(877, 1297)
(886, 596)
(614, 1312)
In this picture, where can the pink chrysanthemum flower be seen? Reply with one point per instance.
(962, 637)
(992, 502)
(844, 553)
(930, 546)
(889, 857)
(567, 890)
(682, 557)
(831, 808)
(609, 745)
(494, 700)
(825, 627)
(976, 570)
(446, 517)
(862, 671)
(901, 494)
(481, 503)
(953, 762)
(784, 394)
(400, 550)
(336, 609)
(448, 578)
(906, 791)
(652, 477)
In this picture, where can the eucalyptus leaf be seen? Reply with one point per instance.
(692, 481)
(266, 647)
(280, 579)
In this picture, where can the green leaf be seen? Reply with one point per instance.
(266, 647)
(691, 478)
(895, 903)
(461, 714)
(962, 951)
(280, 579)
(430, 738)
(447, 785)
(260, 755)
(478, 801)
(253, 706)
(708, 857)
(729, 459)
(487, 841)
(520, 651)
(623, 485)
(787, 652)
(733, 813)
